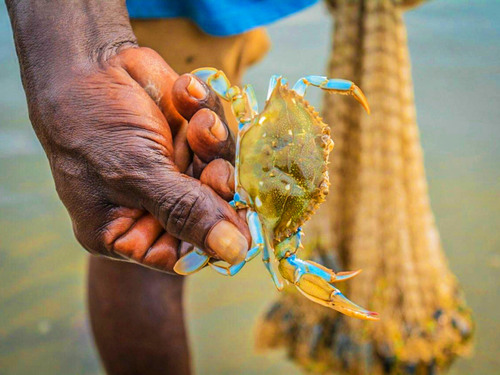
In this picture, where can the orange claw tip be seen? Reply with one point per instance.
(373, 315)
(359, 314)
(346, 275)
(367, 315)
(360, 97)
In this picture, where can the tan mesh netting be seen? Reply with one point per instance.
(378, 218)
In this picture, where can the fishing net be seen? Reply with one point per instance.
(377, 218)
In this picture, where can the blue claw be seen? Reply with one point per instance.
(315, 282)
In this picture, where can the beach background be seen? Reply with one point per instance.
(455, 52)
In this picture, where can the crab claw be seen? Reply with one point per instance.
(191, 262)
(360, 97)
(334, 277)
(316, 284)
(318, 290)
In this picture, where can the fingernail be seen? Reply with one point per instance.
(227, 241)
(218, 129)
(196, 89)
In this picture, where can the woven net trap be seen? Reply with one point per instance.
(377, 218)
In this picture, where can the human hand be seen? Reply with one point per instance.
(120, 145)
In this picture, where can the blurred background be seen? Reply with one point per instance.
(455, 52)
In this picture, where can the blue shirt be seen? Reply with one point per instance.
(219, 17)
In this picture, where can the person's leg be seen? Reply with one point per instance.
(137, 318)
(136, 313)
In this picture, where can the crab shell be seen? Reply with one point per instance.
(283, 163)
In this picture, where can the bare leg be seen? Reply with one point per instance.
(137, 319)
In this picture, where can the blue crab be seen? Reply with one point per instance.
(281, 177)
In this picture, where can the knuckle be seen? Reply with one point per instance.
(182, 211)
(147, 52)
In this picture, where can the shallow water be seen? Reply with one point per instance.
(455, 50)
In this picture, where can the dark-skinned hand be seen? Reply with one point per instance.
(122, 135)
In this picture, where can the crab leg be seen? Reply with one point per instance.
(191, 262)
(338, 86)
(255, 227)
(251, 98)
(267, 259)
(233, 270)
(216, 80)
(273, 82)
(259, 239)
(243, 101)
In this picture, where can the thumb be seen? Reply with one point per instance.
(193, 212)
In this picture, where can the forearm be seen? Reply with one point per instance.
(53, 37)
